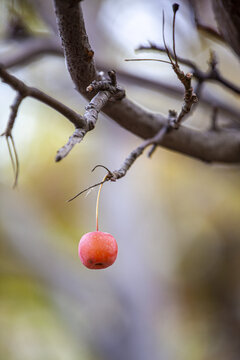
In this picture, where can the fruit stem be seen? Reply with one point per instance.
(97, 203)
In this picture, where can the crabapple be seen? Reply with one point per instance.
(97, 250)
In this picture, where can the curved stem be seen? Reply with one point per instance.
(98, 196)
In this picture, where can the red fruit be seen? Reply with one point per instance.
(97, 250)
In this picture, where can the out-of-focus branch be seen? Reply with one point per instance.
(107, 90)
(37, 94)
(227, 15)
(212, 74)
(199, 9)
(31, 49)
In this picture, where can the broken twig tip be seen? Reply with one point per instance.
(175, 7)
(58, 158)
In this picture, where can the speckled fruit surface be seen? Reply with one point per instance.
(97, 250)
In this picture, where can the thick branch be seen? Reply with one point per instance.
(208, 146)
(77, 51)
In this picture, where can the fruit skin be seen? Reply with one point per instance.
(97, 250)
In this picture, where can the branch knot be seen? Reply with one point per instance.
(110, 85)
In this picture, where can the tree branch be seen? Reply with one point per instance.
(37, 94)
(8, 135)
(208, 146)
(107, 90)
(212, 74)
(31, 49)
(76, 48)
(227, 15)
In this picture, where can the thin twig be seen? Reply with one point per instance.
(10, 154)
(8, 135)
(175, 9)
(159, 60)
(16, 161)
(164, 41)
(128, 162)
(89, 188)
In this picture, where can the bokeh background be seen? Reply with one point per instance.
(174, 290)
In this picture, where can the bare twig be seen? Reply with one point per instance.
(159, 60)
(90, 118)
(13, 115)
(16, 161)
(74, 139)
(175, 9)
(89, 188)
(172, 115)
(106, 178)
(212, 74)
(189, 98)
(154, 47)
(128, 162)
(8, 135)
(107, 90)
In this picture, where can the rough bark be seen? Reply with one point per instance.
(207, 146)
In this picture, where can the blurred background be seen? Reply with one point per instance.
(174, 290)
